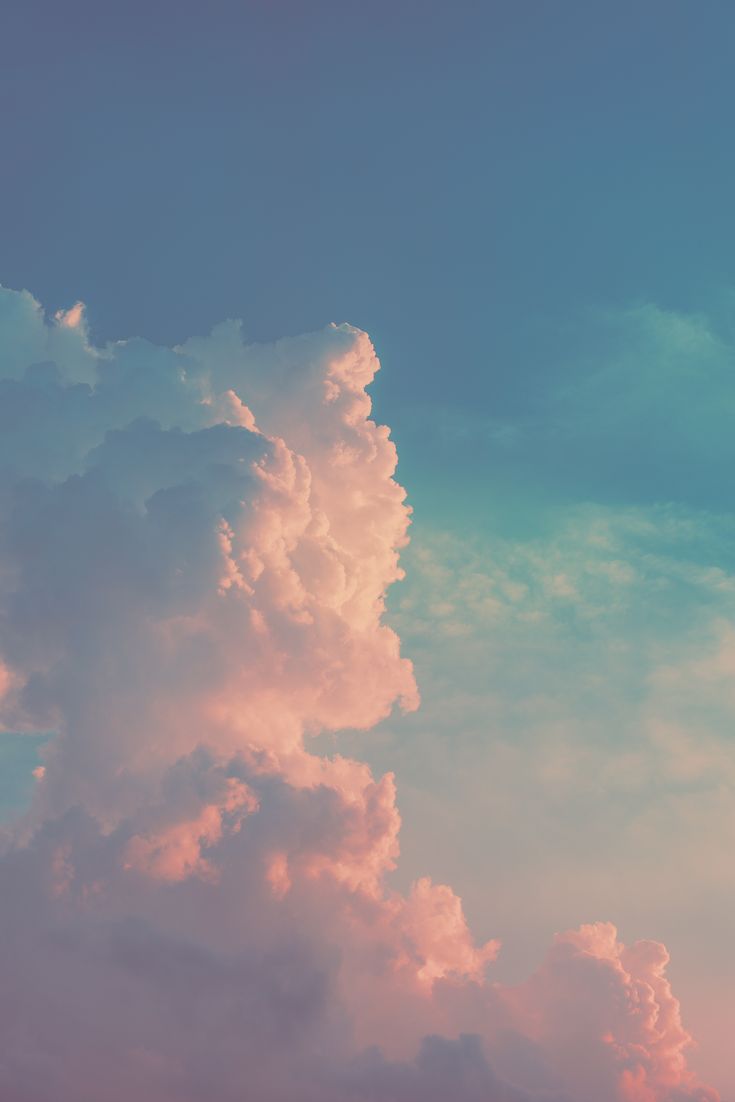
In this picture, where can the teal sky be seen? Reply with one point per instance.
(471, 183)
(529, 208)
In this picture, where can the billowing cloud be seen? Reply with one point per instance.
(195, 548)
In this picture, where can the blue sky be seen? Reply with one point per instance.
(529, 208)
(464, 181)
(460, 180)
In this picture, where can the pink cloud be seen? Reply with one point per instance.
(71, 318)
(197, 905)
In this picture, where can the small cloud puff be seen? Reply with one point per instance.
(72, 318)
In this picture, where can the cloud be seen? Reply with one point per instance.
(632, 405)
(589, 730)
(195, 550)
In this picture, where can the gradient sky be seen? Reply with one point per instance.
(528, 208)
(463, 181)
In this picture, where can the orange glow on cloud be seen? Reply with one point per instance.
(201, 905)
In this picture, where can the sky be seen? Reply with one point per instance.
(526, 208)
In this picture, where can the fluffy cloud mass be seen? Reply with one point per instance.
(195, 547)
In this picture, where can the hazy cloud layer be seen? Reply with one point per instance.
(630, 406)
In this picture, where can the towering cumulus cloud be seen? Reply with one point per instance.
(195, 546)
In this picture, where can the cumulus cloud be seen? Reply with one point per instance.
(595, 737)
(195, 548)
